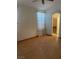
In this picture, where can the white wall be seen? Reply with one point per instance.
(56, 7)
(26, 22)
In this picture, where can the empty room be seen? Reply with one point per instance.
(38, 29)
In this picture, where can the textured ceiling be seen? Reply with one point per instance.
(38, 5)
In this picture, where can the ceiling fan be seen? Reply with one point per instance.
(43, 1)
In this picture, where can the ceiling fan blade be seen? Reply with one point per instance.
(34, 1)
(50, 0)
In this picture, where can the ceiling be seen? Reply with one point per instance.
(38, 5)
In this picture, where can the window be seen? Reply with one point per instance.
(41, 21)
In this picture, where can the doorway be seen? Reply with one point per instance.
(56, 24)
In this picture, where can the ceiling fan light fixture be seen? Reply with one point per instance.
(43, 2)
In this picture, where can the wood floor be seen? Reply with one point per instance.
(45, 47)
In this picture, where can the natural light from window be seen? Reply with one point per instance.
(41, 21)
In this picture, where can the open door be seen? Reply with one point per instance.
(56, 24)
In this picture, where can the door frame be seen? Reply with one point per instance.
(59, 31)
